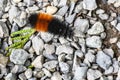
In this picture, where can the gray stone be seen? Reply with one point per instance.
(80, 73)
(94, 42)
(64, 49)
(38, 62)
(28, 73)
(55, 2)
(103, 60)
(61, 57)
(115, 65)
(62, 11)
(64, 67)
(37, 45)
(89, 4)
(4, 32)
(81, 25)
(46, 36)
(96, 29)
(10, 76)
(51, 65)
(63, 40)
(27, 45)
(3, 4)
(18, 56)
(93, 74)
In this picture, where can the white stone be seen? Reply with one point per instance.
(47, 72)
(3, 30)
(62, 11)
(62, 3)
(46, 36)
(64, 49)
(49, 49)
(114, 22)
(100, 11)
(64, 67)
(118, 44)
(103, 60)
(28, 73)
(63, 40)
(51, 9)
(55, 2)
(94, 42)
(19, 56)
(89, 4)
(13, 13)
(3, 60)
(118, 27)
(80, 73)
(51, 65)
(109, 71)
(111, 1)
(117, 3)
(93, 74)
(79, 53)
(115, 65)
(37, 45)
(90, 57)
(109, 51)
(113, 40)
(10, 76)
(103, 16)
(38, 62)
(81, 24)
(16, 1)
(70, 18)
(79, 7)
(56, 76)
(96, 29)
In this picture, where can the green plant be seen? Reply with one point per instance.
(19, 38)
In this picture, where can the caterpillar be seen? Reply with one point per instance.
(47, 23)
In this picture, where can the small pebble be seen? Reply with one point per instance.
(103, 60)
(94, 42)
(89, 4)
(28, 73)
(37, 45)
(51, 10)
(16, 1)
(64, 67)
(38, 62)
(18, 56)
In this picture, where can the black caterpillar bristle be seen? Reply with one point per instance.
(33, 19)
(60, 28)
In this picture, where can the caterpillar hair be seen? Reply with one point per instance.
(47, 23)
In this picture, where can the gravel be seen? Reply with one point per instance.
(92, 53)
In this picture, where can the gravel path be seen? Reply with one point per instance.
(92, 54)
